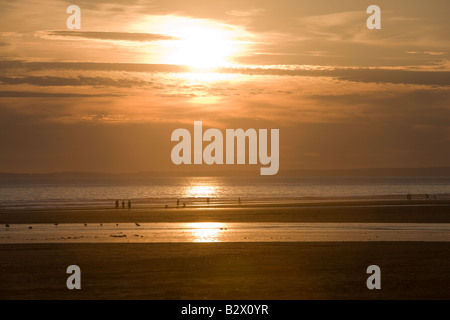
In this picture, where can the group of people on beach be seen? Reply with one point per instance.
(123, 204)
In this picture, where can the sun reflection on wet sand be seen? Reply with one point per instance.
(206, 231)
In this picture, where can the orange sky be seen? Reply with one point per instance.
(107, 97)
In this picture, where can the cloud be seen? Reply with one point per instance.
(431, 53)
(377, 75)
(441, 78)
(333, 27)
(410, 107)
(246, 13)
(30, 94)
(93, 66)
(76, 81)
(115, 36)
(368, 75)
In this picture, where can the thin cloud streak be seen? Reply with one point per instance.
(116, 36)
(33, 94)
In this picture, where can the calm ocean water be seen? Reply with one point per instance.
(90, 191)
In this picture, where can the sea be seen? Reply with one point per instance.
(102, 192)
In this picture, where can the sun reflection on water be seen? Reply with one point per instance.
(199, 191)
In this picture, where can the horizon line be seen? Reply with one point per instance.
(435, 170)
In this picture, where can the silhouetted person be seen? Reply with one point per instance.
(427, 196)
(178, 202)
(184, 205)
(434, 197)
(207, 200)
(408, 196)
(129, 205)
(123, 205)
(117, 205)
(239, 200)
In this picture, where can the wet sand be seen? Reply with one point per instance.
(395, 211)
(226, 270)
(223, 232)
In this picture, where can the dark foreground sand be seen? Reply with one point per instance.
(411, 270)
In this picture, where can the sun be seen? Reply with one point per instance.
(201, 49)
(199, 43)
(201, 46)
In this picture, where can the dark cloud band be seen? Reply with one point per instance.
(368, 75)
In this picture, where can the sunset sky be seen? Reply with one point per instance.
(107, 97)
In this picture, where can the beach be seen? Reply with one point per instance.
(267, 269)
(366, 210)
(235, 150)
(241, 271)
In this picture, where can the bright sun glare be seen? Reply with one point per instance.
(198, 43)
(201, 48)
